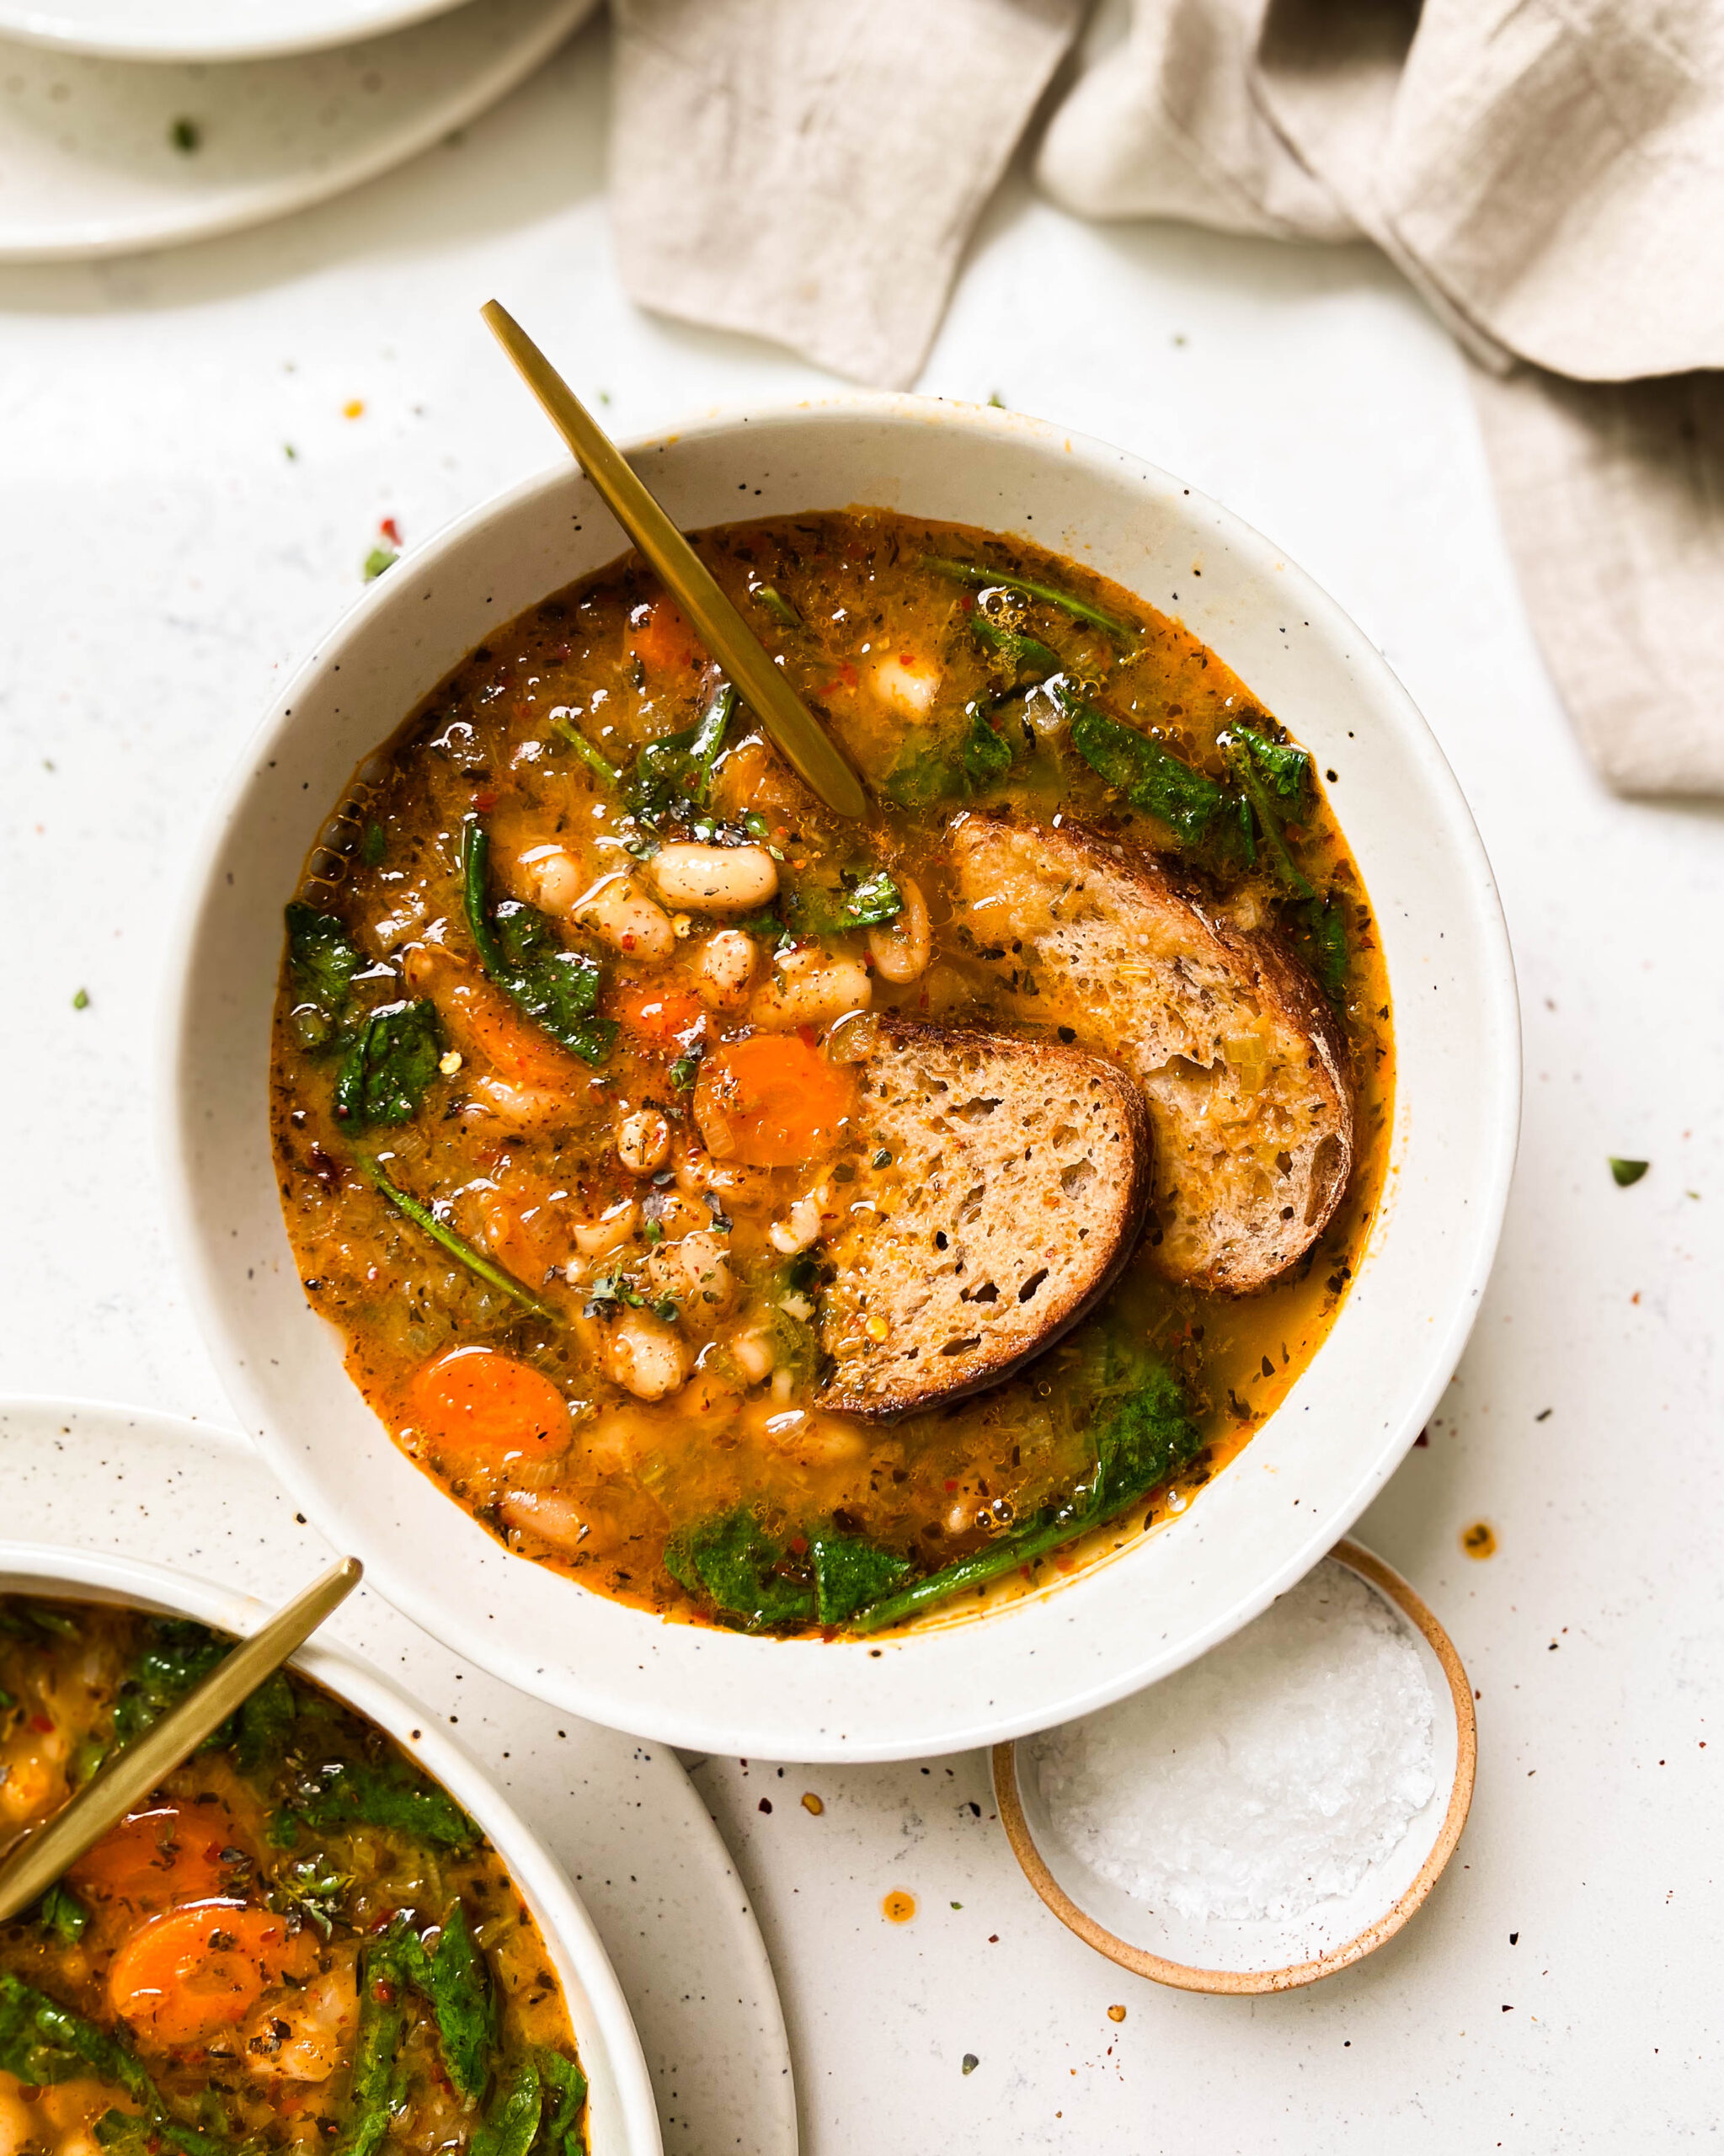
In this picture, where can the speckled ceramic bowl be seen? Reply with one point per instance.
(1118, 1623)
(622, 2116)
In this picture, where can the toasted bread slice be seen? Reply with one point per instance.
(1002, 1186)
(1242, 1063)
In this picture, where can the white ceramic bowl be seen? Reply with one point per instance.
(622, 2116)
(1305, 1476)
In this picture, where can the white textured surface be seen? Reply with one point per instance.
(206, 30)
(1264, 1779)
(163, 562)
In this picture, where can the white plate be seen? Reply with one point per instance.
(207, 29)
(89, 161)
(1162, 1598)
(621, 1818)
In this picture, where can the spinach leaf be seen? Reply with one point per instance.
(980, 577)
(312, 1885)
(266, 1725)
(43, 2043)
(511, 2125)
(321, 962)
(1624, 1174)
(1275, 778)
(849, 1572)
(863, 902)
(736, 1565)
(378, 2083)
(1026, 654)
(566, 2088)
(177, 1655)
(673, 776)
(561, 723)
(61, 1914)
(458, 1247)
(1316, 929)
(1143, 1432)
(557, 988)
(925, 771)
(1151, 778)
(345, 1792)
(390, 1065)
(458, 1984)
(986, 756)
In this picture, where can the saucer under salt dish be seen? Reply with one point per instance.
(1067, 1833)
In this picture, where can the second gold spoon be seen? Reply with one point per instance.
(793, 726)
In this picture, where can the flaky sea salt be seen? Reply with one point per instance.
(1266, 1777)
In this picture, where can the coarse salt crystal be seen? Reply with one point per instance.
(1266, 1777)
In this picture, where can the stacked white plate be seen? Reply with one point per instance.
(127, 125)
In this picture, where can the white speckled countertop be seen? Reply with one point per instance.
(164, 559)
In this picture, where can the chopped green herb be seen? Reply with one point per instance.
(685, 1071)
(374, 845)
(81, 1002)
(862, 901)
(557, 988)
(426, 1221)
(1625, 1172)
(849, 1572)
(185, 136)
(1027, 654)
(390, 1065)
(379, 559)
(986, 756)
(289, 452)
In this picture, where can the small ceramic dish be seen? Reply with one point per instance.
(1152, 1601)
(1225, 1955)
(622, 2117)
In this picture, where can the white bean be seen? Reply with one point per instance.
(305, 2036)
(695, 1271)
(610, 1232)
(899, 948)
(715, 879)
(803, 1226)
(753, 1349)
(627, 918)
(518, 1104)
(808, 988)
(724, 968)
(647, 1357)
(553, 878)
(643, 1142)
(557, 1518)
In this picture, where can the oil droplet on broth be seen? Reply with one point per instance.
(1480, 1539)
(898, 1908)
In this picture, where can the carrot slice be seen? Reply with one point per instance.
(660, 1014)
(163, 1854)
(663, 642)
(477, 1402)
(772, 1101)
(185, 1975)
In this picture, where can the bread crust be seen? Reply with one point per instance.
(912, 1368)
(1139, 960)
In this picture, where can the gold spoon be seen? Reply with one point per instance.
(129, 1778)
(762, 685)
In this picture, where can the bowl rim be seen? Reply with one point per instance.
(571, 1938)
(1494, 990)
(1187, 1975)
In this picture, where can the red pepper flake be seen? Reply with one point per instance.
(485, 802)
(383, 1992)
(799, 1545)
(42, 1725)
(950, 1487)
(808, 1037)
(391, 531)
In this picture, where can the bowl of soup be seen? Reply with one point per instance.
(323, 1928)
(821, 1288)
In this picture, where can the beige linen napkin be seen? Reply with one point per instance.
(1550, 174)
(809, 170)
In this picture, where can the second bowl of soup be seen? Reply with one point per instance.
(827, 1287)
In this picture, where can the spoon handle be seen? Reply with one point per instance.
(762, 685)
(129, 1778)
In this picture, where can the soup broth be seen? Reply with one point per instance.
(564, 1079)
(298, 1942)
